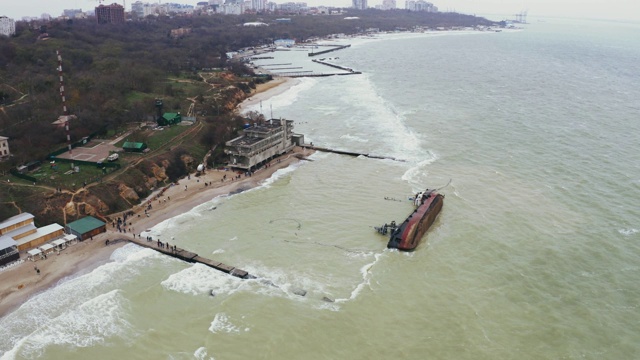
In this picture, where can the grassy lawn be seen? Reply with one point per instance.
(162, 137)
(154, 138)
(59, 176)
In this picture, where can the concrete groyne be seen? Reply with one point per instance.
(352, 153)
(191, 257)
(336, 48)
(334, 66)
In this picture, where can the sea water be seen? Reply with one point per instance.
(535, 254)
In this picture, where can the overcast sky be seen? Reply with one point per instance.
(598, 9)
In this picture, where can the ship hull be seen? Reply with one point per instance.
(408, 235)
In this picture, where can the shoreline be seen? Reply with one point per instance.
(266, 91)
(22, 282)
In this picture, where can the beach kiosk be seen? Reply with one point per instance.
(86, 227)
(70, 239)
(34, 254)
(59, 244)
(46, 249)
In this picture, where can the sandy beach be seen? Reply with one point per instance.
(21, 282)
(268, 90)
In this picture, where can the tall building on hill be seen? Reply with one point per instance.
(359, 4)
(388, 4)
(420, 5)
(110, 14)
(7, 26)
(72, 13)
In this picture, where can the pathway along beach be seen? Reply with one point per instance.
(17, 285)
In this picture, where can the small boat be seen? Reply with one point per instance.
(407, 235)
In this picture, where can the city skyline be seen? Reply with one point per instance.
(494, 9)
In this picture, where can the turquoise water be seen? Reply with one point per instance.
(535, 254)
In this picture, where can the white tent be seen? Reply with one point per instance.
(46, 248)
(69, 238)
(59, 243)
(33, 253)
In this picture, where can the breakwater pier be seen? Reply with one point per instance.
(351, 153)
(321, 61)
(332, 48)
(190, 257)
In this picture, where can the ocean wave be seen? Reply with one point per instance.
(91, 323)
(628, 232)
(201, 354)
(283, 99)
(279, 174)
(365, 271)
(73, 297)
(418, 173)
(350, 137)
(200, 279)
(222, 323)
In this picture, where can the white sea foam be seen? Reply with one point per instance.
(222, 323)
(365, 271)
(628, 232)
(417, 174)
(355, 138)
(201, 354)
(91, 323)
(381, 116)
(279, 174)
(73, 298)
(200, 279)
(133, 253)
(277, 282)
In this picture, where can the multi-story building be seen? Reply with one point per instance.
(137, 9)
(259, 5)
(110, 14)
(359, 4)
(420, 5)
(4, 148)
(72, 13)
(292, 7)
(233, 8)
(7, 26)
(388, 4)
(262, 142)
